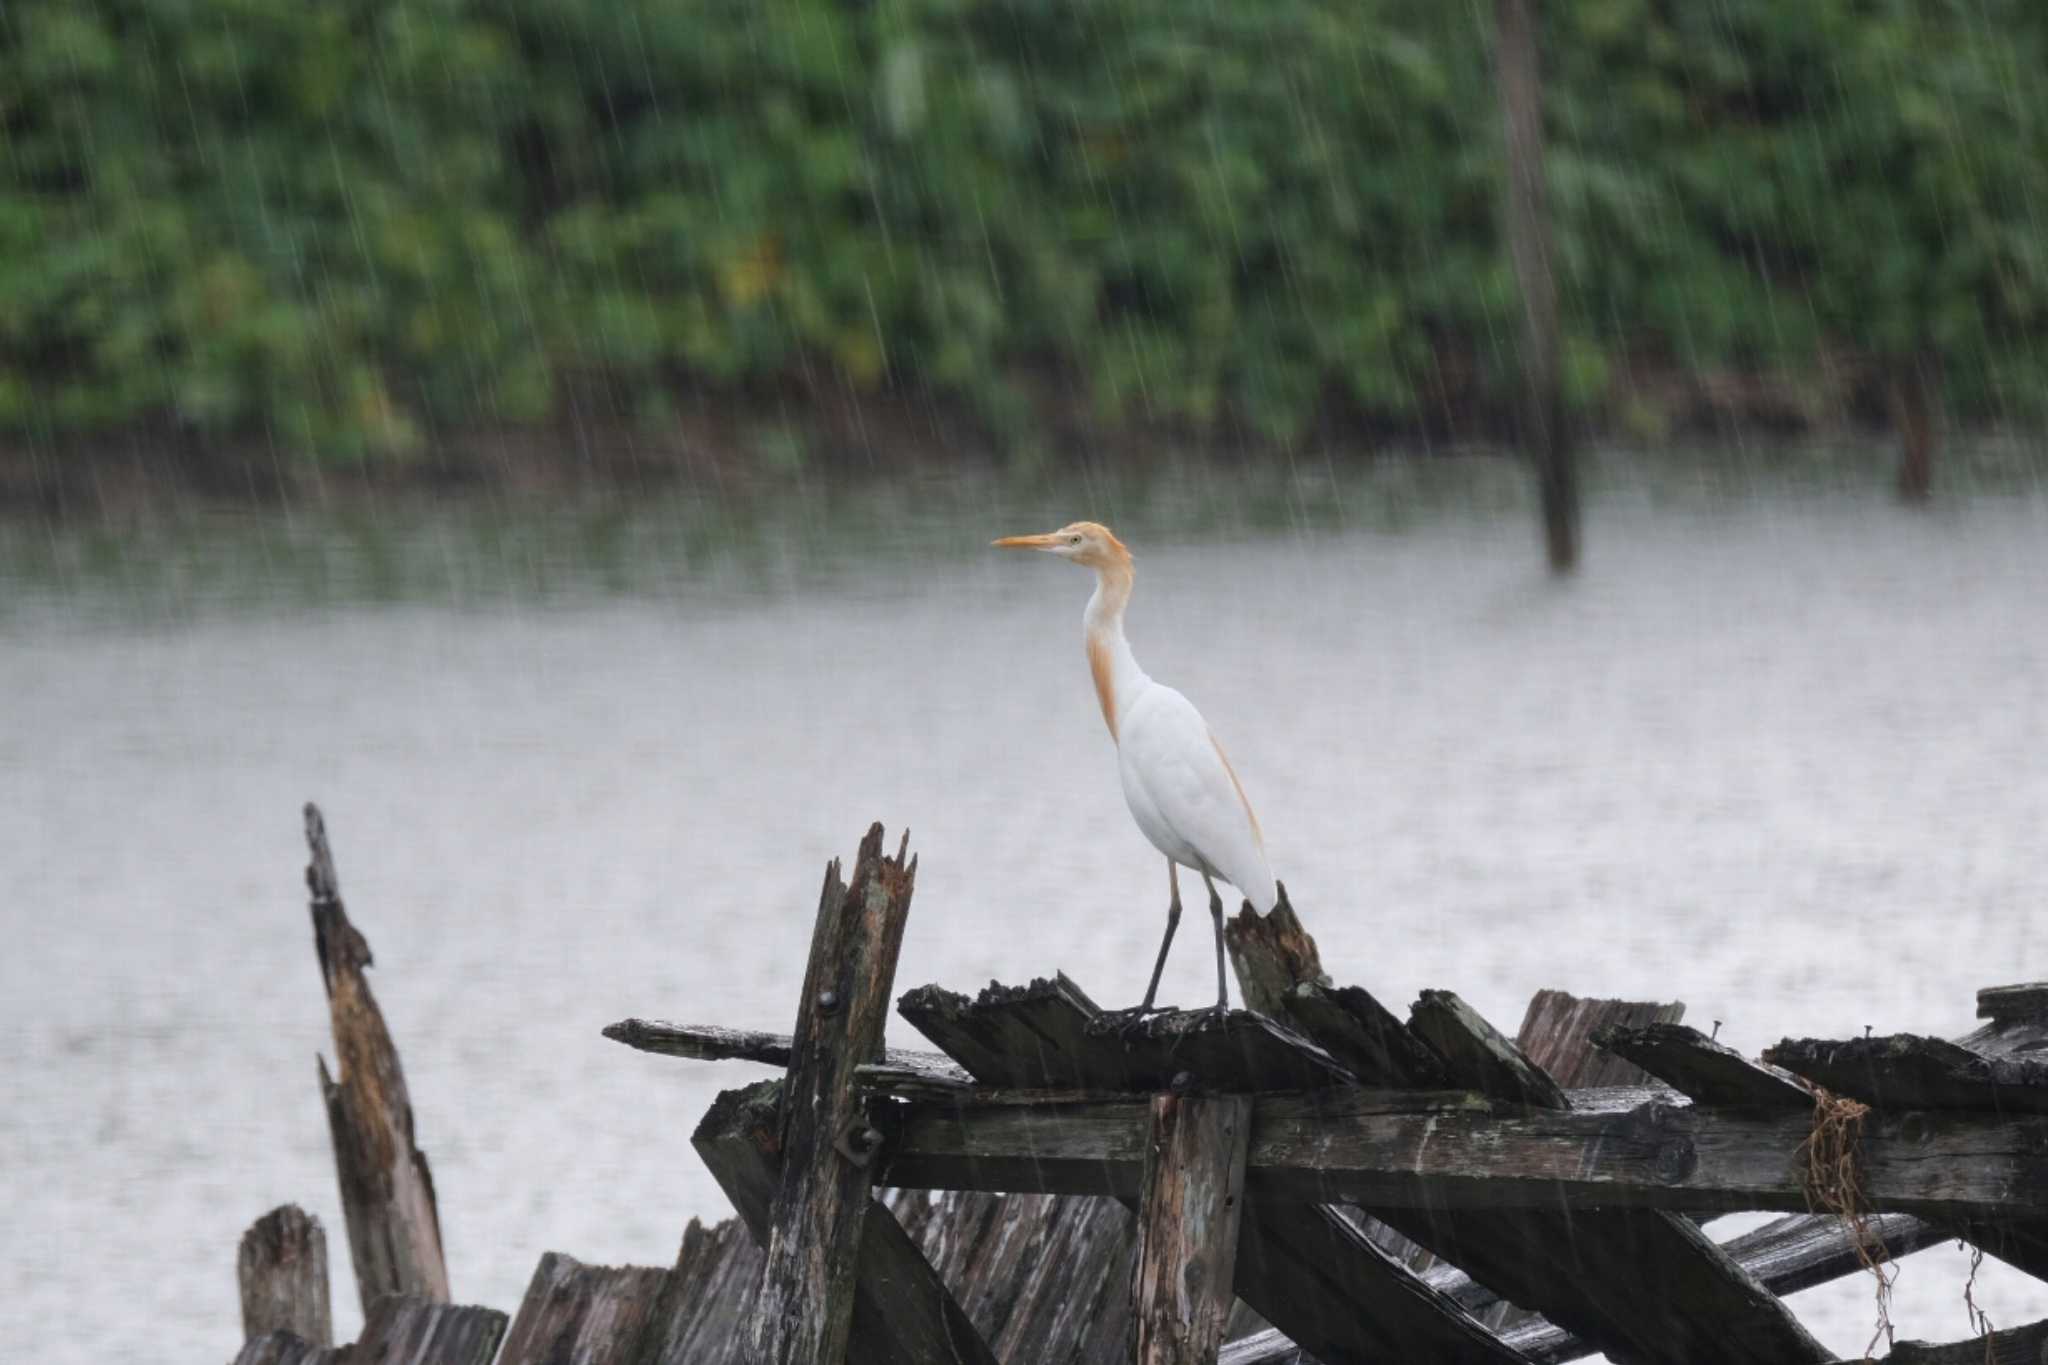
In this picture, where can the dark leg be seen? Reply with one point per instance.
(1216, 914)
(1172, 923)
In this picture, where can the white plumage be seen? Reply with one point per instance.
(1177, 781)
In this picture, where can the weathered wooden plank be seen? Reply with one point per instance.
(1338, 1147)
(387, 1190)
(2018, 1346)
(286, 1348)
(1048, 1035)
(1044, 1277)
(1706, 1071)
(1906, 1071)
(805, 1311)
(2011, 1004)
(1557, 1036)
(403, 1329)
(1364, 1036)
(1476, 1055)
(1272, 955)
(700, 1317)
(714, 1043)
(281, 1268)
(1188, 1215)
(1349, 1302)
(577, 1314)
(902, 1312)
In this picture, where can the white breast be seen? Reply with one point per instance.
(1183, 796)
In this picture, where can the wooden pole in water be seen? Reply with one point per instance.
(805, 1311)
(387, 1191)
(281, 1267)
(1183, 1281)
(1526, 216)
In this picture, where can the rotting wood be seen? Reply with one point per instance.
(701, 1315)
(577, 1314)
(903, 1313)
(1557, 1035)
(1622, 1148)
(400, 1329)
(805, 1310)
(1271, 955)
(713, 1043)
(1706, 1071)
(1907, 1071)
(2009, 1004)
(1641, 1285)
(1364, 1036)
(387, 1190)
(1477, 1055)
(2018, 1346)
(281, 1268)
(1347, 1301)
(1188, 1215)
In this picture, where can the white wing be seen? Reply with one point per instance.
(1184, 796)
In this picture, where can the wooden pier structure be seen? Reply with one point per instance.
(1310, 1179)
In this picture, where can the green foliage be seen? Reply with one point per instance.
(348, 224)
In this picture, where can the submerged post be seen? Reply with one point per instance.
(805, 1311)
(1183, 1283)
(387, 1192)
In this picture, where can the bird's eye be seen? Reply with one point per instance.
(1073, 540)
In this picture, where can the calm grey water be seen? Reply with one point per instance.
(1781, 759)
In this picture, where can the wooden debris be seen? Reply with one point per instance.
(902, 1311)
(1906, 1071)
(577, 1314)
(387, 1191)
(1557, 1035)
(1327, 1288)
(2020, 1346)
(1271, 955)
(281, 1267)
(1706, 1071)
(400, 1330)
(701, 1316)
(713, 1043)
(1476, 1055)
(821, 1201)
(1188, 1214)
(1049, 1036)
(1364, 1036)
(1800, 1251)
(2012, 1004)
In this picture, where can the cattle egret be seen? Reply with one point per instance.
(1181, 789)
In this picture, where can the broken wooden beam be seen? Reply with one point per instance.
(1907, 1071)
(701, 1316)
(1557, 1035)
(2017, 1346)
(1478, 1056)
(1188, 1215)
(281, 1268)
(387, 1190)
(714, 1043)
(902, 1310)
(401, 1329)
(2011, 1004)
(805, 1310)
(1705, 1071)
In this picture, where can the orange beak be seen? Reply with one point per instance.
(1044, 542)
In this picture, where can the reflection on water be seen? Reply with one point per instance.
(1779, 758)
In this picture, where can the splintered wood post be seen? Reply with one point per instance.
(1271, 955)
(1182, 1285)
(1526, 214)
(387, 1192)
(282, 1269)
(821, 1200)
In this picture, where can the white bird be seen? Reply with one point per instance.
(1181, 789)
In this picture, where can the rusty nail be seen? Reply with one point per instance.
(1717, 1031)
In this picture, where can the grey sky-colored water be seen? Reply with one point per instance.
(1785, 761)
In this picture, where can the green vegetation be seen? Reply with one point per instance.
(345, 227)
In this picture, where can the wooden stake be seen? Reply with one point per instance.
(806, 1306)
(1187, 1227)
(387, 1192)
(282, 1269)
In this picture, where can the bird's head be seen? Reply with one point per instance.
(1089, 543)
